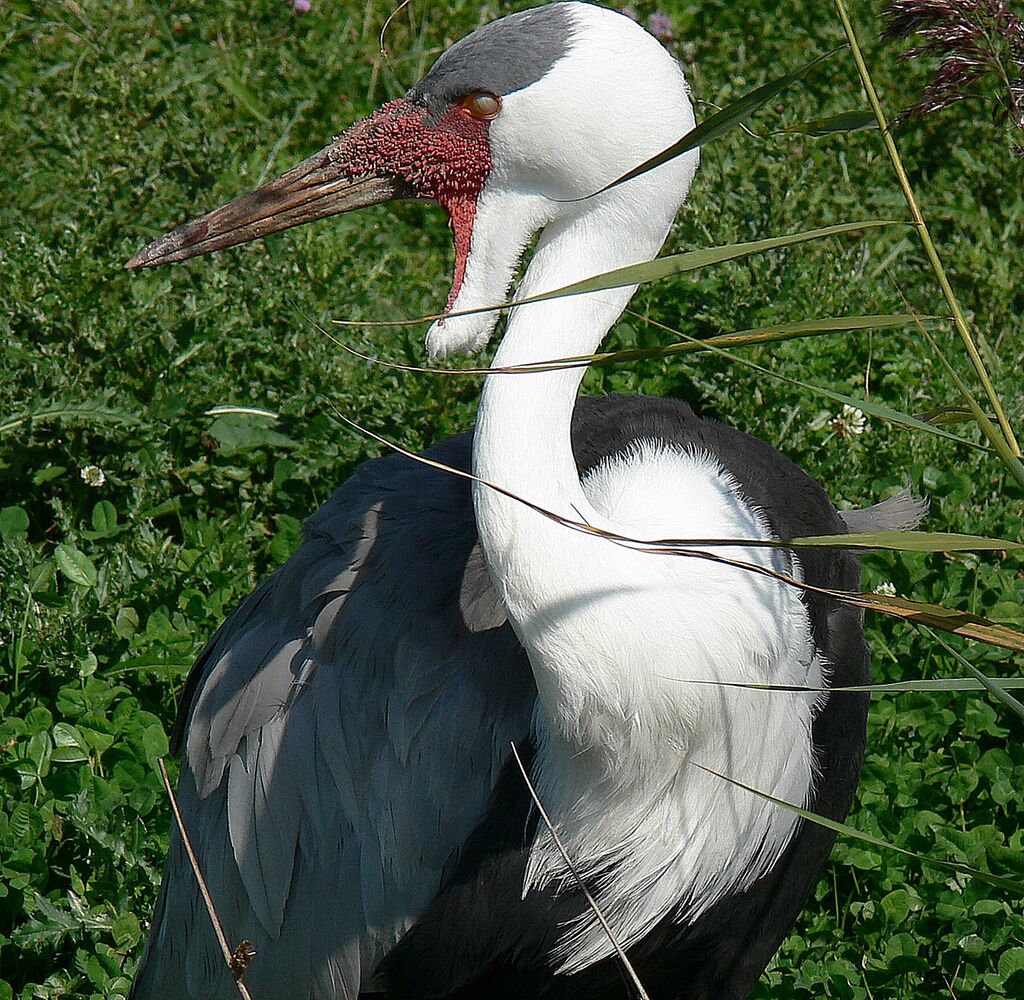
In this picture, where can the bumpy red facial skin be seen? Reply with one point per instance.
(447, 160)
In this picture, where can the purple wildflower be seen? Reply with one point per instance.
(660, 25)
(302, 6)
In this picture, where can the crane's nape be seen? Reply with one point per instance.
(346, 774)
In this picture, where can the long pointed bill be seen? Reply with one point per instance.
(403, 150)
(318, 187)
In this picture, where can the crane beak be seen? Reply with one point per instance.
(318, 187)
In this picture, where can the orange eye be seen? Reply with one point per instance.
(481, 105)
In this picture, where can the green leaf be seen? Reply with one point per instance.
(896, 905)
(126, 622)
(287, 538)
(104, 518)
(75, 565)
(13, 522)
(126, 931)
(284, 469)
(96, 740)
(1007, 611)
(87, 665)
(988, 907)
(239, 432)
(38, 719)
(95, 971)
(1011, 961)
(66, 735)
(40, 576)
(69, 755)
(154, 742)
(21, 820)
(50, 472)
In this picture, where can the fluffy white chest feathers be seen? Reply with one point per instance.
(627, 648)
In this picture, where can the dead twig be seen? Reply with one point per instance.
(626, 964)
(238, 960)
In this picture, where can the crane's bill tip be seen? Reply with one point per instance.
(141, 259)
(186, 241)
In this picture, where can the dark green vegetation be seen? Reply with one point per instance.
(120, 120)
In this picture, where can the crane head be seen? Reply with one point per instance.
(512, 129)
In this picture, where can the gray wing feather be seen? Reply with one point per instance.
(343, 733)
(898, 513)
(478, 600)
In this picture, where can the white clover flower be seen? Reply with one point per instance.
(850, 422)
(886, 589)
(93, 475)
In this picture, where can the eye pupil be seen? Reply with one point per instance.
(481, 105)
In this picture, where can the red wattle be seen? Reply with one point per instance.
(446, 160)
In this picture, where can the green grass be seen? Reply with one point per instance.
(121, 120)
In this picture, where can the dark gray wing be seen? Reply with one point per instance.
(342, 734)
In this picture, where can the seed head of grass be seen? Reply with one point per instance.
(980, 47)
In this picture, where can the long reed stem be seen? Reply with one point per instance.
(922, 230)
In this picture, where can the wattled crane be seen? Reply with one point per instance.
(345, 737)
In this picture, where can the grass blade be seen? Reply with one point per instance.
(961, 623)
(867, 406)
(716, 344)
(947, 416)
(652, 270)
(694, 260)
(230, 959)
(720, 122)
(1009, 884)
(845, 121)
(86, 412)
(591, 902)
(907, 541)
(756, 337)
(938, 685)
(996, 686)
(1001, 445)
(246, 411)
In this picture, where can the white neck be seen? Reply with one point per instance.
(522, 440)
(613, 635)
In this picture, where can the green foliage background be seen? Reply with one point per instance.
(118, 121)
